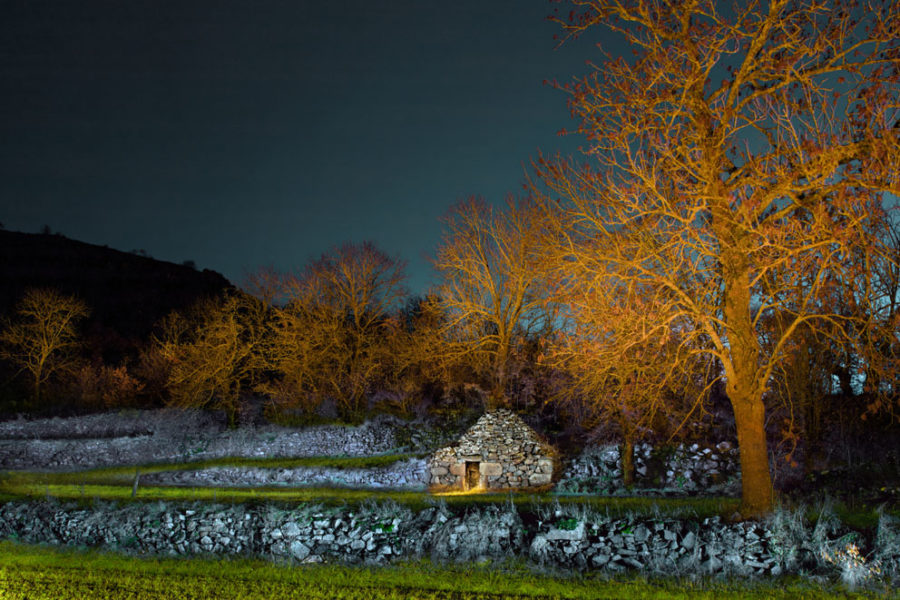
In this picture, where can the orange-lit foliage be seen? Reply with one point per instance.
(624, 368)
(854, 356)
(152, 371)
(733, 163)
(42, 338)
(329, 340)
(416, 363)
(104, 387)
(492, 289)
(214, 354)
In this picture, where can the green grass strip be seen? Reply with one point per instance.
(34, 486)
(14, 489)
(40, 572)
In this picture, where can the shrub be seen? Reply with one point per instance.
(103, 387)
(854, 567)
(887, 545)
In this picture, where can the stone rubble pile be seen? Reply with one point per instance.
(509, 454)
(686, 469)
(377, 533)
(404, 474)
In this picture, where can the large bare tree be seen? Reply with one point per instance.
(732, 164)
(330, 339)
(491, 287)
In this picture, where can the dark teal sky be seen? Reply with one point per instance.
(244, 133)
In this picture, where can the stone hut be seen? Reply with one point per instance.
(499, 452)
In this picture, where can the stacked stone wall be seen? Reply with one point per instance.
(686, 469)
(508, 455)
(174, 436)
(404, 474)
(569, 538)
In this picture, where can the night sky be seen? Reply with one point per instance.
(263, 132)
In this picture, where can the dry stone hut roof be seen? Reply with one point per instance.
(499, 452)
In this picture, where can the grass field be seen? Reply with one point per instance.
(116, 483)
(33, 572)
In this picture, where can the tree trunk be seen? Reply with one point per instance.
(757, 496)
(628, 462)
(36, 395)
(744, 387)
(497, 398)
(845, 381)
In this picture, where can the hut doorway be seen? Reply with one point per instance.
(473, 475)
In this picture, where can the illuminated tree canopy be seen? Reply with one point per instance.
(732, 167)
(491, 289)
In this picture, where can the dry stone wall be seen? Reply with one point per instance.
(567, 538)
(685, 469)
(499, 452)
(173, 436)
(404, 474)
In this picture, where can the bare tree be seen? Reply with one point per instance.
(624, 369)
(215, 354)
(733, 150)
(329, 339)
(42, 338)
(876, 298)
(492, 286)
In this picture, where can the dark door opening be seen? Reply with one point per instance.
(473, 475)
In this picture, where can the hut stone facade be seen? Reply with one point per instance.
(499, 452)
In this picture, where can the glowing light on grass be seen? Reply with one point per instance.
(480, 489)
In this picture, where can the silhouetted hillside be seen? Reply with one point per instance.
(126, 293)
